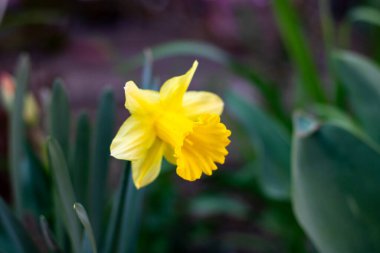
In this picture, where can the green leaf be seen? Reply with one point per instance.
(299, 51)
(271, 142)
(80, 158)
(330, 42)
(334, 116)
(47, 235)
(368, 17)
(35, 184)
(112, 235)
(59, 128)
(13, 237)
(361, 79)
(335, 179)
(83, 217)
(17, 131)
(59, 116)
(104, 130)
(365, 15)
(130, 218)
(65, 192)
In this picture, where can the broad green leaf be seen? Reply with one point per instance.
(271, 142)
(83, 217)
(335, 193)
(335, 116)
(361, 79)
(80, 158)
(104, 130)
(65, 192)
(17, 131)
(299, 51)
(13, 237)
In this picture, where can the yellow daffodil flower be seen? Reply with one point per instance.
(184, 127)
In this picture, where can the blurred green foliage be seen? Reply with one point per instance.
(309, 181)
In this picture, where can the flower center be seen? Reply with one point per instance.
(204, 146)
(172, 128)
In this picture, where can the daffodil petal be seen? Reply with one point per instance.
(169, 154)
(203, 148)
(173, 90)
(146, 169)
(139, 101)
(133, 139)
(196, 103)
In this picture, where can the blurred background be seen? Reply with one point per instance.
(94, 44)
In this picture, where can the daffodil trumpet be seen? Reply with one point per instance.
(182, 126)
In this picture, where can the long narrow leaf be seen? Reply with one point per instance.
(47, 235)
(17, 131)
(65, 192)
(129, 223)
(100, 158)
(146, 80)
(59, 116)
(111, 238)
(298, 49)
(13, 237)
(328, 30)
(83, 217)
(80, 158)
(59, 128)
(35, 184)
